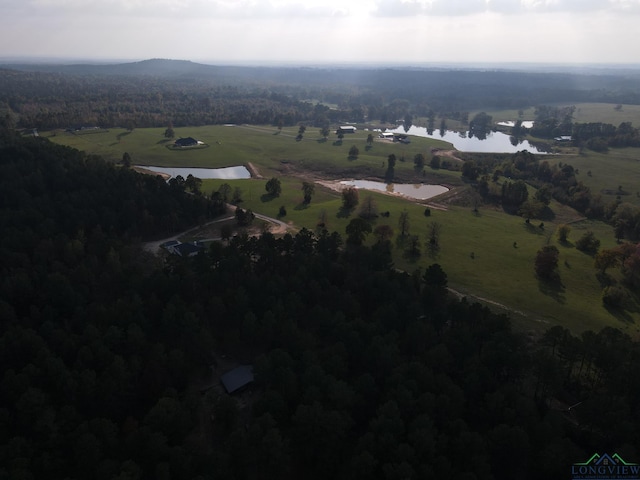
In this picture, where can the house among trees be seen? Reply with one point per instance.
(186, 142)
(346, 129)
(238, 378)
(182, 249)
(401, 137)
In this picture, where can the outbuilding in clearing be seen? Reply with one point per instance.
(238, 378)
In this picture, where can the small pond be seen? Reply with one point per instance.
(228, 173)
(495, 142)
(419, 191)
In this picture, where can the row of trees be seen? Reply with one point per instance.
(558, 181)
(147, 96)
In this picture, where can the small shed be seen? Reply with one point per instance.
(346, 129)
(238, 378)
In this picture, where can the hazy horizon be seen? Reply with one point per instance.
(514, 66)
(292, 32)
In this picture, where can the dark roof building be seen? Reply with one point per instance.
(238, 378)
(183, 249)
(186, 142)
(188, 249)
(346, 129)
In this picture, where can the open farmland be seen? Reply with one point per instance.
(487, 255)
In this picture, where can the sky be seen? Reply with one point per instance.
(405, 32)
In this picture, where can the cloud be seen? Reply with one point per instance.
(312, 9)
(262, 9)
(409, 8)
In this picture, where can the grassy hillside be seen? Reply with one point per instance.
(266, 147)
(487, 255)
(619, 167)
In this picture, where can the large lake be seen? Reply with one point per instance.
(419, 191)
(228, 173)
(496, 142)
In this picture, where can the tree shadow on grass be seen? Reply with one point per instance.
(368, 147)
(547, 214)
(434, 251)
(411, 256)
(163, 141)
(267, 197)
(605, 279)
(567, 244)
(553, 288)
(337, 143)
(620, 313)
(123, 134)
(301, 206)
(322, 140)
(534, 228)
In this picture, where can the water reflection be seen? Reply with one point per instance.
(494, 142)
(524, 124)
(228, 173)
(419, 191)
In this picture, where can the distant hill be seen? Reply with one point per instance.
(156, 67)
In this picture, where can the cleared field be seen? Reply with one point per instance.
(267, 147)
(619, 167)
(585, 113)
(477, 252)
(488, 256)
(607, 113)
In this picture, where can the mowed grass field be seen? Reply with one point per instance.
(266, 147)
(488, 256)
(584, 113)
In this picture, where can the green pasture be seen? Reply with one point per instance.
(477, 249)
(266, 147)
(607, 113)
(585, 113)
(620, 167)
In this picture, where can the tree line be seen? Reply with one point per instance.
(155, 93)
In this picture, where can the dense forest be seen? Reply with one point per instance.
(361, 371)
(155, 93)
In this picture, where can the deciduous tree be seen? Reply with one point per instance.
(308, 189)
(273, 187)
(546, 262)
(383, 233)
(350, 198)
(563, 232)
(588, 243)
(357, 230)
(403, 223)
(369, 210)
